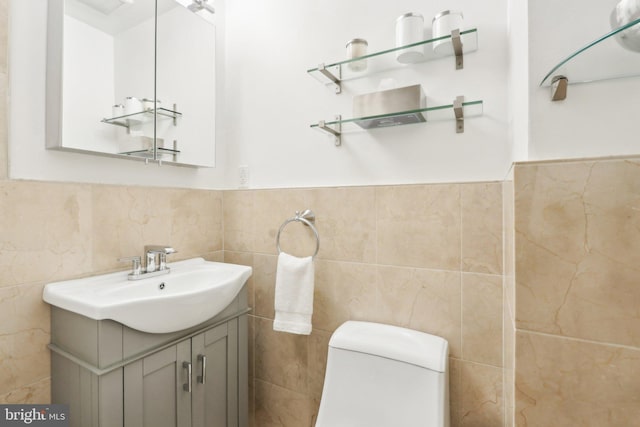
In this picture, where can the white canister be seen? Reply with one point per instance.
(117, 110)
(410, 29)
(355, 49)
(150, 104)
(443, 24)
(132, 105)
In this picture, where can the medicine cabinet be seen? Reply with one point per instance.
(132, 79)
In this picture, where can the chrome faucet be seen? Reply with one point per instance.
(155, 257)
(159, 253)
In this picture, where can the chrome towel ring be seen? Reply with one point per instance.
(308, 218)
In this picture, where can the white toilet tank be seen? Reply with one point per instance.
(385, 376)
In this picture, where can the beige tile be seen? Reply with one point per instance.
(125, 220)
(243, 258)
(264, 284)
(481, 396)
(455, 400)
(279, 407)
(35, 393)
(419, 226)
(282, 358)
(424, 300)
(45, 231)
(509, 339)
(482, 318)
(565, 382)
(482, 227)
(238, 221)
(318, 351)
(578, 245)
(345, 223)
(271, 208)
(24, 359)
(343, 291)
(195, 221)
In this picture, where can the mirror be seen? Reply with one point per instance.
(132, 79)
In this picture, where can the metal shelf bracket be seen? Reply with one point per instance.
(459, 113)
(335, 80)
(559, 88)
(457, 48)
(335, 132)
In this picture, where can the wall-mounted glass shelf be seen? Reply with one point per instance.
(602, 59)
(458, 111)
(334, 73)
(148, 153)
(141, 117)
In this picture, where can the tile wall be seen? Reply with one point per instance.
(55, 231)
(577, 306)
(427, 257)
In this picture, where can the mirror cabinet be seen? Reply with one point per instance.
(132, 79)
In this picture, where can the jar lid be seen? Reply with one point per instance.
(409, 15)
(446, 12)
(357, 41)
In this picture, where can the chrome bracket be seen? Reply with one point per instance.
(459, 113)
(559, 88)
(457, 48)
(335, 132)
(335, 80)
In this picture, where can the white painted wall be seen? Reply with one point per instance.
(596, 119)
(272, 101)
(518, 79)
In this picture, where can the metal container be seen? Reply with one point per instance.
(390, 101)
(355, 49)
(410, 29)
(443, 24)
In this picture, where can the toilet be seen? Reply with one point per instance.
(385, 376)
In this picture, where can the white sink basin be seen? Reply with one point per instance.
(194, 291)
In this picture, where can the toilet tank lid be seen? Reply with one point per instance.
(393, 342)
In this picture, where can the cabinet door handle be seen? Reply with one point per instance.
(202, 379)
(187, 387)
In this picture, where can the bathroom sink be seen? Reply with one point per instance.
(194, 291)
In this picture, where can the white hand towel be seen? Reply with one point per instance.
(294, 294)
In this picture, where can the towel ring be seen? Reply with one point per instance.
(307, 217)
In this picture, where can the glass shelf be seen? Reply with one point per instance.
(428, 114)
(386, 59)
(141, 117)
(602, 59)
(148, 153)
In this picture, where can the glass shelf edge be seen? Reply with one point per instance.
(161, 111)
(546, 81)
(398, 113)
(395, 49)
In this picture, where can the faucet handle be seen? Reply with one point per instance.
(136, 268)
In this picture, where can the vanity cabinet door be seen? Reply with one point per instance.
(154, 389)
(215, 361)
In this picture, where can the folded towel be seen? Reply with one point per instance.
(294, 294)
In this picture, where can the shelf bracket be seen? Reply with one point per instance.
(459, 113)
(559, 85)
(335, 133)
(334, 80)
(457, 48)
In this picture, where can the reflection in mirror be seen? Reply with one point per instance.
(124, 93)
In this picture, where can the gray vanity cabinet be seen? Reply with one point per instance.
(192, 383)
(114, 376)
